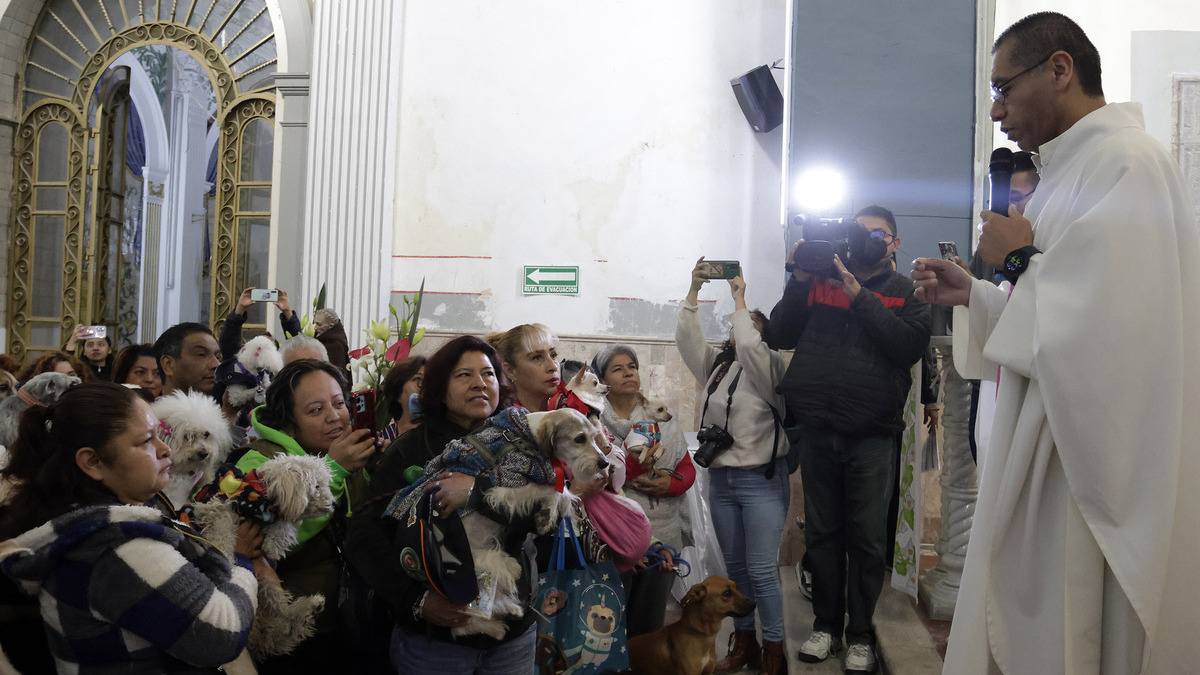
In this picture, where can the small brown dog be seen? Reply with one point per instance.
(688, 647)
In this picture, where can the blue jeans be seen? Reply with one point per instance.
(748, 514)
(416, 654)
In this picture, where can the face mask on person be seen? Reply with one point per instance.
(866, 249)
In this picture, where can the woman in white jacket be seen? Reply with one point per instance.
(749, 502)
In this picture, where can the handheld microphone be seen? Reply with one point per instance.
(1000, 180)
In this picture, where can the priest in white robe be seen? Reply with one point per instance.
(1086, 540)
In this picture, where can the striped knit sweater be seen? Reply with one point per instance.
(124, 590)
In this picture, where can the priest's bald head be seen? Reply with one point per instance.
(1045, 78)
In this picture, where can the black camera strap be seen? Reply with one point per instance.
(728, 402)
(778, 422)
(774, 442)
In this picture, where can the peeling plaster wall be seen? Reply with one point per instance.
(603, 135)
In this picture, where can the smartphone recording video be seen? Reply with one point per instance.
(720, 269)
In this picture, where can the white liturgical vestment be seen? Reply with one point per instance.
(1085, 548)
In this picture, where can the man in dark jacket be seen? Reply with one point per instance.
(231, 331)
(856, 338)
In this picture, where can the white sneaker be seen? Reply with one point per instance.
(818, 647)
(860, 658)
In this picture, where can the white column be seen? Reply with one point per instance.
(353, 127)
(152, 206)
(174, 216)
(288, 195)
(960, 486)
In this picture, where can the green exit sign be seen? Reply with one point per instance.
(550, 280)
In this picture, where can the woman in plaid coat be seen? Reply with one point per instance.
(121, 587)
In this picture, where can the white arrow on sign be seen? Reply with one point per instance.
(538, 276)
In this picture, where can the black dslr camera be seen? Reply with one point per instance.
(713, 441)
(844, 237)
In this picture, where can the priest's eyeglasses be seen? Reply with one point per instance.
(1000, 89)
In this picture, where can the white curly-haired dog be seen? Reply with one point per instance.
(192, 425)
(261, 358)
(40, 390)
(294, 487)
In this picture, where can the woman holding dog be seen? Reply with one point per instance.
(460, 391)
(132, 590)
(658, 487)
(305, 414)
(529, 355)
(748, 503)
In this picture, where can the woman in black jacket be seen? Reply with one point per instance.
(461, 389)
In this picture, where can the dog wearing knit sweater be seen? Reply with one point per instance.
(278, 495)
(525, 456)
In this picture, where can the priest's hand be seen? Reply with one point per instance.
(1000, 235)
(941, 282)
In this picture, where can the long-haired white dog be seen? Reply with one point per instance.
(292, 488)
(260, 357)
(567, 436)
(192, 425)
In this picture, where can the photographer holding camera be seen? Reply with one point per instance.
(745, 451)
(857, 329)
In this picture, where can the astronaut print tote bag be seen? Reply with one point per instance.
(581, 613)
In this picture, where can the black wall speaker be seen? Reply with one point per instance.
(760, 99)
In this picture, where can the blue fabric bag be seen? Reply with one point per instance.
(582, 625)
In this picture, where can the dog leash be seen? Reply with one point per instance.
(29, 399)
(656, 558)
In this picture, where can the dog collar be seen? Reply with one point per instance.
(29, 398)
(560, 474)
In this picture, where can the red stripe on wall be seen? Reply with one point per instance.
(442, 257)
(429, 292)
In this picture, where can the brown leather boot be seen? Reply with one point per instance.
(743, 651)
(774, 659)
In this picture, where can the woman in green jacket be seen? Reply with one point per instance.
(305, 413)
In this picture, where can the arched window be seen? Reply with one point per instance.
(71, 237)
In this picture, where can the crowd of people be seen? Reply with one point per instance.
(158, 598)
(103, 572)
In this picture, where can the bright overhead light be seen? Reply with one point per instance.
(818, 190)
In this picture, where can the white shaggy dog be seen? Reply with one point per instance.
(40, 390)
(292, 488)
(567, 436)
(192, 425)
(260, 357)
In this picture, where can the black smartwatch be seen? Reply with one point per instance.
(1017, 262)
